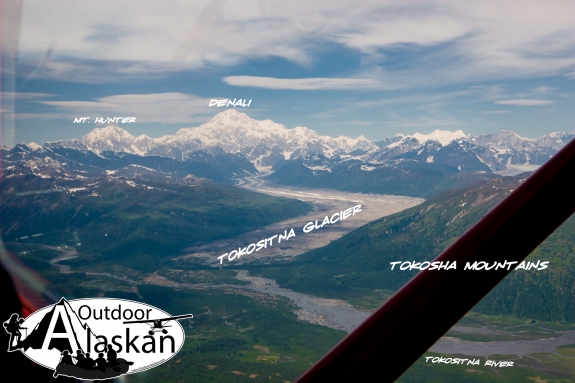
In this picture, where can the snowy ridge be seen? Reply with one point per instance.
(34, 146)
(511, 149)
(262, 142)
(444, 137)
(112, 138)
(265, 143)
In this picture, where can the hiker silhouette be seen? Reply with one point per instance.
(13, 327)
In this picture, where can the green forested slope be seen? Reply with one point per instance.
(134, 224)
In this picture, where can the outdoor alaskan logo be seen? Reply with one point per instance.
(97, 338)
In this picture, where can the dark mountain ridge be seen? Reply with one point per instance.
(69, 163)
(407, 177)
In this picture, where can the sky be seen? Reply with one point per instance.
(372, 68)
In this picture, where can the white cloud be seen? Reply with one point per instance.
(41, 116)
(543, 89)
(304, 83)
(434, 99)
(524, 102)
(195, 33)
(426, 99)
(99, 71)
(360, 122)
(470, 40)
(158, 107)
(26, 95)
(389, 30)
(496, 112)
(81, 105)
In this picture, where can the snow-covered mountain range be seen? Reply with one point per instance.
(265, 143)
(262, 142)
(495, 150)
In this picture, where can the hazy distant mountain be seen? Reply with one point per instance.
(510, 148)
(400, 142)
(460, 153)
(503, 148)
